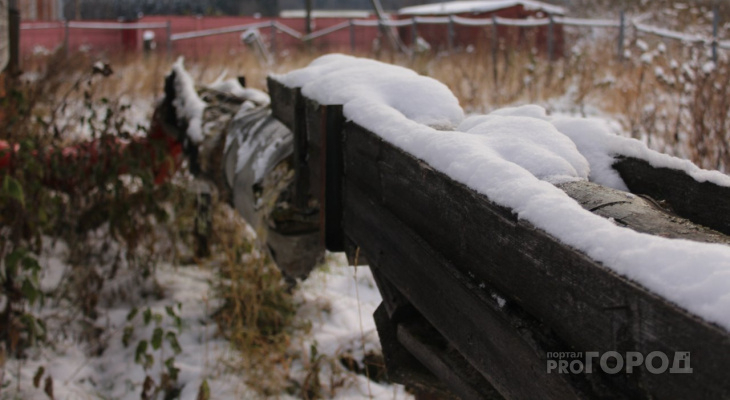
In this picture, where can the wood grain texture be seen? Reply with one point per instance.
(585, 305)
(639, 213)
(324, 158)
(701, 202)
(494, 293)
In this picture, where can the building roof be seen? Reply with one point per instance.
(478, 6)
(326, 14)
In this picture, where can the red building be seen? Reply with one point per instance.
(38, 10)
(437, 35)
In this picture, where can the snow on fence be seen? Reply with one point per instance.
(491, 262)
(275, 26)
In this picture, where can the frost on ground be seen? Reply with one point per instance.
(340, 300)
(76, 373)
(337, 300)
(695, 276)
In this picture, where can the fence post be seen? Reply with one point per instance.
(168, 32)
(495, 45)
(13, 38)
(352, 36)
(551, 38)
(451, 33)
(273, 40)
(715, 23)
(414, 33)
(621, 35)
(65, 38)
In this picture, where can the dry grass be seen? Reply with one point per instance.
(257, 312)
(672, 100)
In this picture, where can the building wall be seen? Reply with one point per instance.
(364, 38)
(38, 10)
(481, 36)
(112, 41)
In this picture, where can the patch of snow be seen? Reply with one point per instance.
(39, 50)
(232, 86)
(114, 373)
(422, 45)
(337, 78)
(708, 67)
(532, 143)
(500, 300)
(188, 105)
(600, 146)
(340, 302)
(647, 58)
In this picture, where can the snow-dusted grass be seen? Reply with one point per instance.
(336, 305)
(240, 334)
(667, 96)
(663, 93)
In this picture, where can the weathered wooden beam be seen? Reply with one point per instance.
(396, 305)
(401, 366)
(390, 195)
(638, 213)
(284, 102)
(288, 106)
(324, 157)
(701, 202)
(434, 352)
(467, 318)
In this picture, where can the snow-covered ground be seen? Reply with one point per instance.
(337, 300)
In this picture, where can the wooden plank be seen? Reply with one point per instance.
(361, 160)
(583, 303)
(288, 106)
(316, 135)
(469, 320)
(353, 253)
(701, 202)
(334, 172)
(283, 102)
(638, 213)
(434, 352)
(401, 366)
(396, 305)
(324, 159)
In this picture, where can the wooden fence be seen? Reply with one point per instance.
(196, 37)
(478, 299)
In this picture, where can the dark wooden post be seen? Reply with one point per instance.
(168, 33)
(308, 25)
(14, 36)
(715, 23)
(66, 38)
(495, 46)
(551, 38)
(621, 35)
(352, 36)
(451, 33)
(273, 40)
(414, 33)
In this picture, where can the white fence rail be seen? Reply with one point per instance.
(276, 26)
